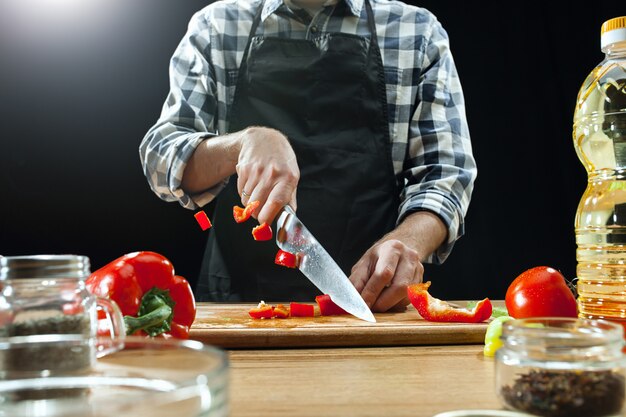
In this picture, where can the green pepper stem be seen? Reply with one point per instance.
(153, 318)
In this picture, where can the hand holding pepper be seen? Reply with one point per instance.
(152, 298)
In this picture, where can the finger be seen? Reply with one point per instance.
(247, 181)
(383, 273)
(360, 272)
(259, 193)
(293, 203)
(404, 274)
(393, 298)
(276, 199)
(401, 306)
(242, 178)
(409, 271)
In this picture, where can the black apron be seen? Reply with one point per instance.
(328, 96)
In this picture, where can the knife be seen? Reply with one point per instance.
(318, 266)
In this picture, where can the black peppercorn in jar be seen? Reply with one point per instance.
(41, 297)
(561, 367)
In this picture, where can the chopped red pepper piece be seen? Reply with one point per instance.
(152, 298)
(287, 259)
(328, 307)
(242, 214)
(238, 214)
(301, 310)
(434, 309)
(262, 311)
(280, 312)
(203, 220)
(262, 232)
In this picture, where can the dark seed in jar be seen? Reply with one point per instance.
(567, 393)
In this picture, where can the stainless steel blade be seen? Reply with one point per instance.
(318, 266)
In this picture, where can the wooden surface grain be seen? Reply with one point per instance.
(230, 326)
(416, 381)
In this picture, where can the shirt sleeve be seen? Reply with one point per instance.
(440, 168)
(187, 118)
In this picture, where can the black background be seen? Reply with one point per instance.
(81, 81)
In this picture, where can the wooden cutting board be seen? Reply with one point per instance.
(230, 326)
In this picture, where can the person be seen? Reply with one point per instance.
(350, 111)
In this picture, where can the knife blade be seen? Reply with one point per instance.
(318, 266)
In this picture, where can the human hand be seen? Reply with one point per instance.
(383, 273)
(268, 172)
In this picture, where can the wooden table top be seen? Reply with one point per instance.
(416, 381)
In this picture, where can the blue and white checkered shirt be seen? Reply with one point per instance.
(431, 148)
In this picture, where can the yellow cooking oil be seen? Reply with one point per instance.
(599, 134)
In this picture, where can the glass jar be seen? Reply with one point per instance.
(45, 296)
(561, 367)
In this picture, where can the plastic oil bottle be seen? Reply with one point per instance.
(599, 133)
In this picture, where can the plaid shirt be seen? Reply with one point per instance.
(431, 149)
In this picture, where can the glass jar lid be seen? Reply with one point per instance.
(553, 339)
(44, 266)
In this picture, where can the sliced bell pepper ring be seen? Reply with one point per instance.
(328, 307)
(434, 309)
(301, 310)
(242, 214)
(152, 298)
(203, 220)
(280, 312)
(262, 232)
(262, 311)
(492, 336)
(287, 259)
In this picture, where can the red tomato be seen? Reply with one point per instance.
(540, 292)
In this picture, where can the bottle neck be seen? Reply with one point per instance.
(615, 50)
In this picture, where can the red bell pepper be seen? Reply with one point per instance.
(287, 259)
(301, 310)
(262, 232)
(152, 298)
(203, 220)
(280, 312)
(434, 309)
(242, 214)
(262, 311)
(328, 307)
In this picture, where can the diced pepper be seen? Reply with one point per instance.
(287, 259)
(328, 307)
(262, 232)
(280, 312)
(238, 214)
(262, 311)
(153, 299)
(203, 220)
(301, 310)
(242, 214)
(434, 309)
(492, 336)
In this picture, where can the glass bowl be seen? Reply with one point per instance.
(141, 377)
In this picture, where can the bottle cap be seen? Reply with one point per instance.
(613, 30)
